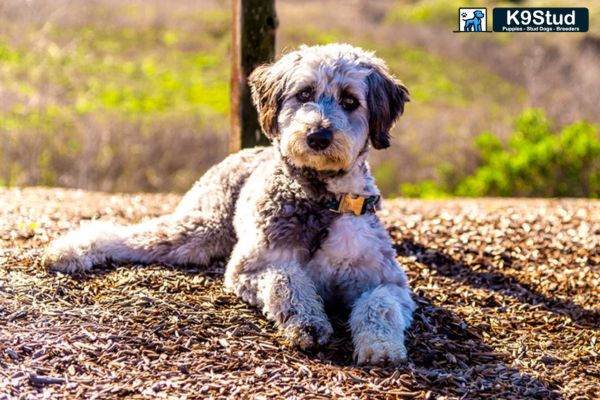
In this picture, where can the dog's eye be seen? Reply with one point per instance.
(305, 95)
(349, 103)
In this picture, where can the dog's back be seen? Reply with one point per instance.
(219, 187)
(216, 193)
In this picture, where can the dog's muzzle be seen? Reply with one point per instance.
(319, 140)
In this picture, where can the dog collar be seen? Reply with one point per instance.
(353, 204)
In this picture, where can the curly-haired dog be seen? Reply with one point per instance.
(297, 219)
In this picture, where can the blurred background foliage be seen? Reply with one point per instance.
(536, 162)
(133, 95)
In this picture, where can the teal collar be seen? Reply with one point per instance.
(353, 204)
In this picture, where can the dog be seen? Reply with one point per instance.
(474, 24)
(297, 220)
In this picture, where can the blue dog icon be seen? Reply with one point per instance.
(473, 24)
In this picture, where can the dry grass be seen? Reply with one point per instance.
(507, 294)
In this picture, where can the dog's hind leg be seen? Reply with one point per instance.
(189, 238)
(201, 228)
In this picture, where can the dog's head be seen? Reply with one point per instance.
(478, 14)
(321, 105)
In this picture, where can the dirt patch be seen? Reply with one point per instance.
(507, 292)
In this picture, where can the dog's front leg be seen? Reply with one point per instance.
(288, 297)
(378, 320)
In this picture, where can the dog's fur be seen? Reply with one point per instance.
(263, 208)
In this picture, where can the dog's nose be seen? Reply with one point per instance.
(319, 140)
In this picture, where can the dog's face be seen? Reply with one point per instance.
(321, 105)
(478, 14)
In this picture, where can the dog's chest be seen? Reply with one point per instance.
(353, 240)
(356, 256)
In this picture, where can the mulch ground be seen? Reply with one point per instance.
(508, 295)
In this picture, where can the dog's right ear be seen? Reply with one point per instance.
(267, 89)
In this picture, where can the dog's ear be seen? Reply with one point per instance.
(386, 97)
(266, 86)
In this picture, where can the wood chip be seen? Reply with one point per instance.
(504, 311)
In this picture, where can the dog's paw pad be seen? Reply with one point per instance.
(380, 352)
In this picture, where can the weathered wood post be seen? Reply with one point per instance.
(253, 43)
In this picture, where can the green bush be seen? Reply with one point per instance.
(536, 162)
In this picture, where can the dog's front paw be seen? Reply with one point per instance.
(379, 351)
(307, 333)
(68, 255)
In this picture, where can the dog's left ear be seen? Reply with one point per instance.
(386, 97)
(267, 89)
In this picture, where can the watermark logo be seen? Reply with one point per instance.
(547, 19)
(472, 20)
(524, 19)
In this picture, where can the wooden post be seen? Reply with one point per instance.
(253, 43)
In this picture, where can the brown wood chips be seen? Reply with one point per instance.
(508, 294)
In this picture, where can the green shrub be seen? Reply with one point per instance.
(424, 190)
(536, 162)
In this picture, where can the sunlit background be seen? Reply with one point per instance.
(133, 95)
